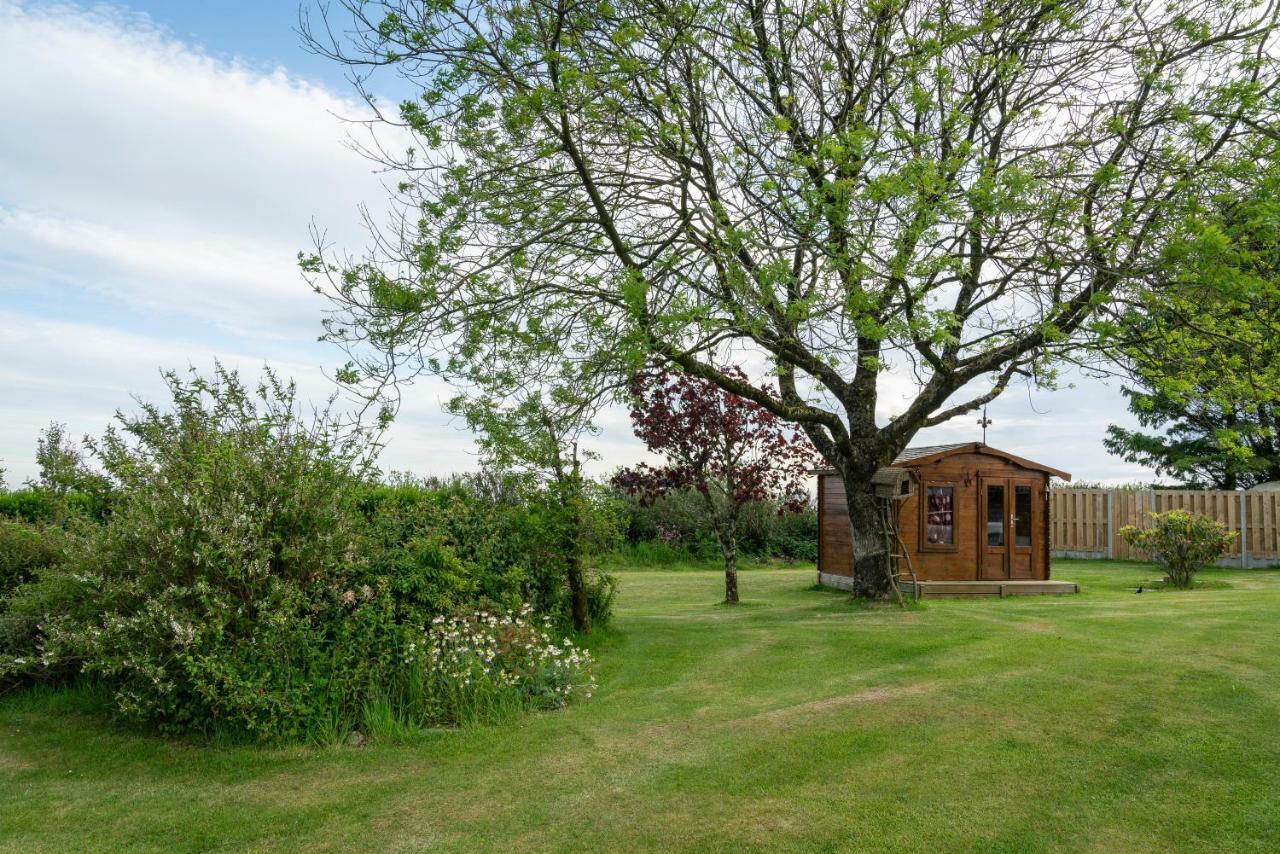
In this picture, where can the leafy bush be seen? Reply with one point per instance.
(18, 639)
(31, 559)
(1181, 542)
(251, 580)
(772, 531)
(500, 535)
(602, 591)
(38, 504)
(67, 487)
(28, 505)
(63, 470)
(26, 549)
(210, 599)
(426, 541)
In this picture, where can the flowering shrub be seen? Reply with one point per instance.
(249, 582)
(1181, 542)
(480, 664)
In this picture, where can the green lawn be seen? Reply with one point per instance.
(1104, 721)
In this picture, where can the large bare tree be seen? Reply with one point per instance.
(959, 189)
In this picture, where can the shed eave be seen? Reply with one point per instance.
(968, 448)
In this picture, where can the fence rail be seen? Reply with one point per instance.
(1086, 522)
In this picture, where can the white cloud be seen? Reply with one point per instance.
(163, 178)
(152, 204)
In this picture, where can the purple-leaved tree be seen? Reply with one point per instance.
(730, 450)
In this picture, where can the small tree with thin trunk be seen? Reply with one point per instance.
(536, 431)
(730, 450)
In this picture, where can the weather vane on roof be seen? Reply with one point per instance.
(984, 422)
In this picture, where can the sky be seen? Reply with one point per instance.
(160, 167)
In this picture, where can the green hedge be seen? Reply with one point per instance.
(677, 528)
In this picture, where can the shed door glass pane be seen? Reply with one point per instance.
(940, 527)
(1022, 515)
(995, 515)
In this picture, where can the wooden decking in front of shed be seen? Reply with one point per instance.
(997, 589)
(976, 523)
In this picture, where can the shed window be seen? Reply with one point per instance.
(940, 519)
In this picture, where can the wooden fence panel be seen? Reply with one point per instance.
(1130, 508)
(1079, 520)
(1263, 509)
(1088, 521)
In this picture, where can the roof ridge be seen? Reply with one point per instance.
(917, 451)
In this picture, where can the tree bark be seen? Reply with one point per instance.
(726, 526)
(569, 486)
(729, 546)
(578, 591)
(871, 566)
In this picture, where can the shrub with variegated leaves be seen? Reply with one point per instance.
(1181, 542)
(252, 581)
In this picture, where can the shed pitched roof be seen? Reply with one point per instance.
(921, 454)
(909, 454)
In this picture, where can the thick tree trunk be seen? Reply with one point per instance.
(871, 567)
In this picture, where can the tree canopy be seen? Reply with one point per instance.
(836, 191)
(1203, 349)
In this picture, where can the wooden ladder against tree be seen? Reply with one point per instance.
(897, 552)
(901, 555)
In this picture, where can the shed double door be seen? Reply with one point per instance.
(1010, 518)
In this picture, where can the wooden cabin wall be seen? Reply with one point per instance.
(963, 562)
(835, 540)
(964, 471)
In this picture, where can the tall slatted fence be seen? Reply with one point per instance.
(1086, 522)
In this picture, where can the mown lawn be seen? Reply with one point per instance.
(1105, 721)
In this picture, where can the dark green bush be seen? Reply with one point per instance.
(18, 636)
(37, 504)
(488, 539)
(25, 550)
(677, 528)
(429, 541)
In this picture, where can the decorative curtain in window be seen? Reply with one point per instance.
(940, 521)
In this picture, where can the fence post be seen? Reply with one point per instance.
(1244, 530)
(1111, 524)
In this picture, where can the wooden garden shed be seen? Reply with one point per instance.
(969, 519)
